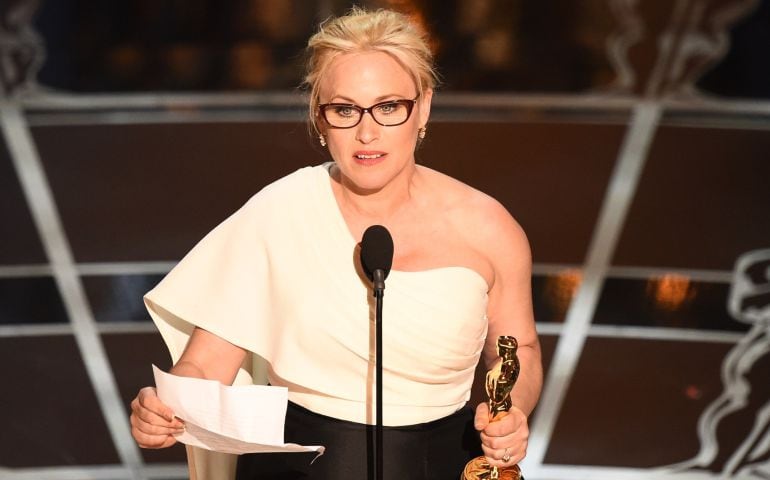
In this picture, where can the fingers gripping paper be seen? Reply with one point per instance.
(238, 419)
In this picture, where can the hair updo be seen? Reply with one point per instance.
(368, 31)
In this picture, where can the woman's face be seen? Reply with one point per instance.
(372, 156)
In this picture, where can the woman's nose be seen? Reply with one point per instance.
(367, 130)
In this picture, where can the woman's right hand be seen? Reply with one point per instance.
(153, 424)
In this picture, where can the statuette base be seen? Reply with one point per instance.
(479, 469)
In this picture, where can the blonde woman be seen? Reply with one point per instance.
(279, 279)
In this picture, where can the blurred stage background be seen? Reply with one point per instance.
(630, 138)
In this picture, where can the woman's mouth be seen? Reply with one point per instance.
(368, 158)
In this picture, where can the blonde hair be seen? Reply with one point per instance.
(365, 31)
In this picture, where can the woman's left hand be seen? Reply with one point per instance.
(504, 440)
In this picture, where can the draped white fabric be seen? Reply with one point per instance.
(279, 278)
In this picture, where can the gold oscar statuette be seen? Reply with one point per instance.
(500, 381)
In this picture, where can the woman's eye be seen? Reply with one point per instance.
(388, 108)
(344, 111)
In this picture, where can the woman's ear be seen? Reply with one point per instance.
(425, 102)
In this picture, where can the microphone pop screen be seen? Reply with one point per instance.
(376, 251)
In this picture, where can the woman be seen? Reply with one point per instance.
(279, 279)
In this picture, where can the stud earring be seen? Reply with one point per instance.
(322, 140)
(421, 132)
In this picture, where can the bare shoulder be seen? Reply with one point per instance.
(489, 225)
(482, 221)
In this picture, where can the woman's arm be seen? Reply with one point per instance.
(509, 312)
(206, 355)
(209, 356)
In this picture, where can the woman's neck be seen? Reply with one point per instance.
(380, 205)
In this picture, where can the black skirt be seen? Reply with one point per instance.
(435, 450)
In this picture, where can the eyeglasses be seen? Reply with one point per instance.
(347, 115)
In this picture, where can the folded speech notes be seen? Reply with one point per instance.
(229, 419)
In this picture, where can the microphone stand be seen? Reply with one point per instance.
(376, 259)
(379, 292)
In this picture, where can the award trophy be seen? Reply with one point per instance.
(500, 381)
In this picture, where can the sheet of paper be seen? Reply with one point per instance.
(237, 419)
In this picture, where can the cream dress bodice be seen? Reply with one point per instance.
(279, 278)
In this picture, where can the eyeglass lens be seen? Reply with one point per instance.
(386, 113)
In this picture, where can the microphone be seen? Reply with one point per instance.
(377, 255)
(376, 259)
